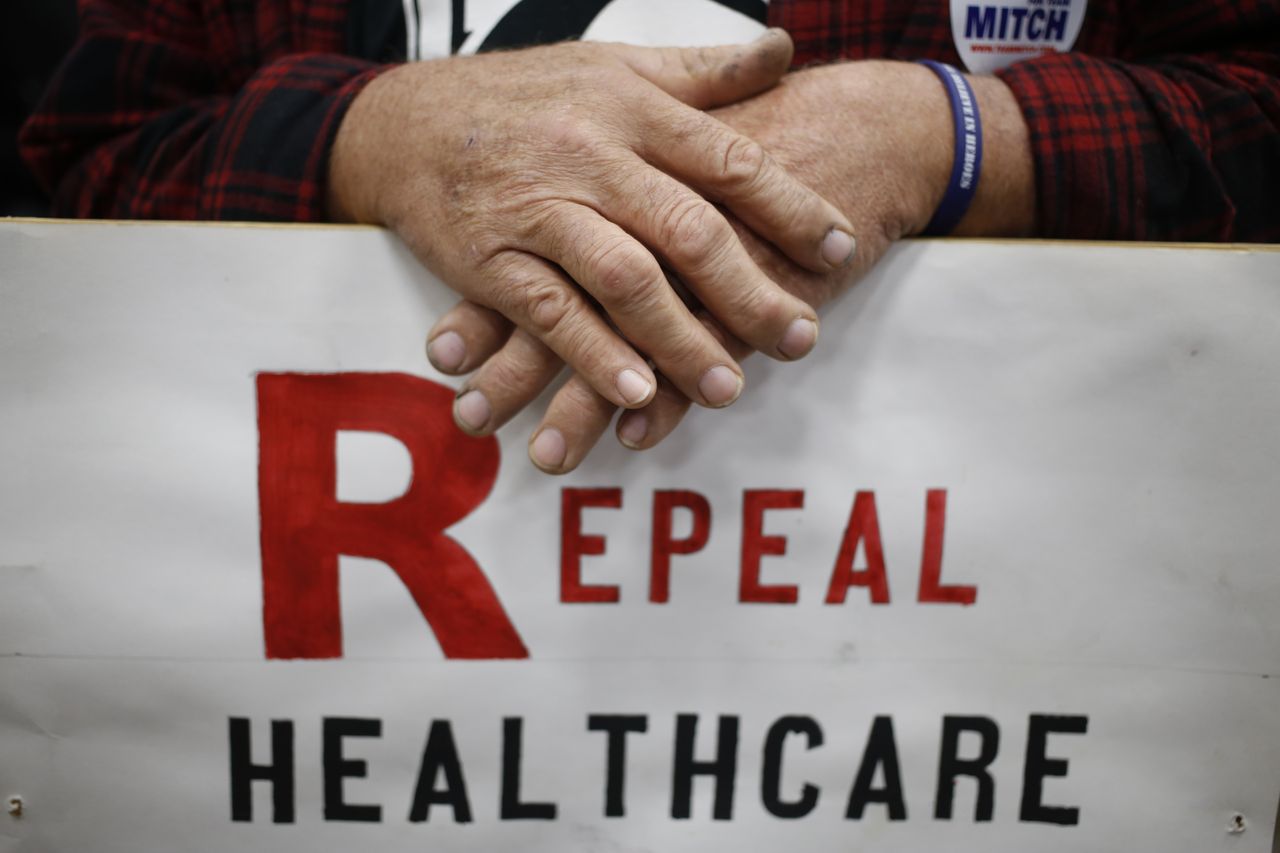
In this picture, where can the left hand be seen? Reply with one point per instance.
(875, 137)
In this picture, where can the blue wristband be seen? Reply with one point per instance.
(967, 167)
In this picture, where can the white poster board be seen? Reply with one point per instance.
(996, 569)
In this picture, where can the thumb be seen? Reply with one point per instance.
(709, 77)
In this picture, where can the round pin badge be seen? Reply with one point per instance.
(992, 36)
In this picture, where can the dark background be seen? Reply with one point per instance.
(34, 36)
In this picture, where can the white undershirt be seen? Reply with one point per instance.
(654, 23)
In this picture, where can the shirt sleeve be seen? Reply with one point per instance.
(160, 112)
(1184, 145)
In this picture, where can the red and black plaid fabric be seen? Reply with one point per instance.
(1164, 123)
(196, 109)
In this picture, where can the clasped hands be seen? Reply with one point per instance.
(560, 190)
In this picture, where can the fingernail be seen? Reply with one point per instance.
(799, 339)
(472, 410)
(633, 387)
(838, 247)
(720, 386)
(447, 352)
(548, 450)
(632, 428)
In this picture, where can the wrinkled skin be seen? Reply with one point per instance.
(876, 138)
(572, 177)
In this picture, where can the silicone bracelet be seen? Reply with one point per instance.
(967, 167)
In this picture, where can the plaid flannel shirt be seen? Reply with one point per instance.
(1163, 123)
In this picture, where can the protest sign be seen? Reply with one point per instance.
(994, 569)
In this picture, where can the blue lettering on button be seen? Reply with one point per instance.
(1056, 29)
(980, 22)
(990, 23)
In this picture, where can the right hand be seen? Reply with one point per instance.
(887, 172)
(536, 181)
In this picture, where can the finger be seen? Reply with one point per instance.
(708, 77)
(507, 382)
(643, 428)
(574, 421)
(730, 168)
(700, 245)
(577, 416)
(631, 287)
(466, 337)
(539, 299)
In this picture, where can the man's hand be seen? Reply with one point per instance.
(877, 138)
(537, 182)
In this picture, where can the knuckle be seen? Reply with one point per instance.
(505, 271)
(554, 228)
(528, 217)
(547, 306)
(685, 354)
(488, 249)
(799, 204)
(588, 350)
(622, 271)
(765, 308)
(744, 163)
(804, 208)
(687, 229)
(502, 374)
(568, 134)
(512, 378)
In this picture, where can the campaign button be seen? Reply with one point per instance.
(991, 36)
